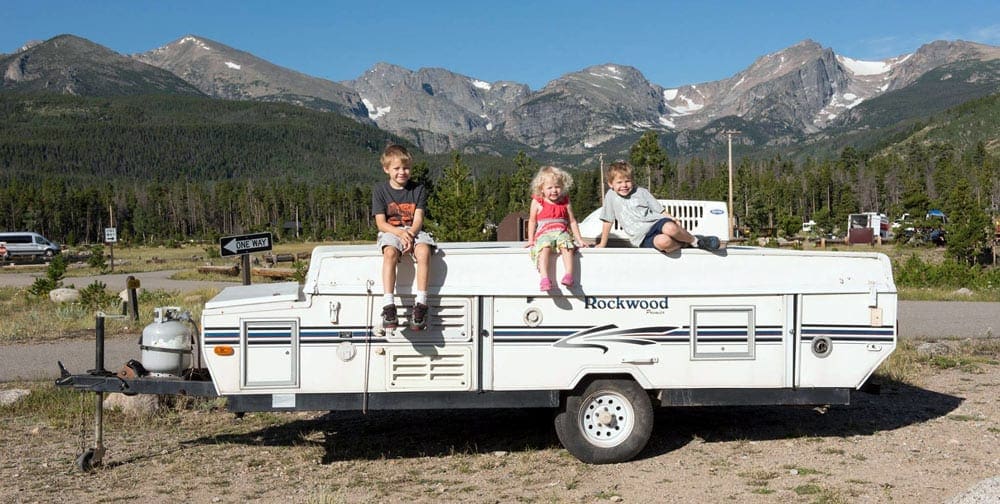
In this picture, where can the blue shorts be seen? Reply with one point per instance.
(657, 229)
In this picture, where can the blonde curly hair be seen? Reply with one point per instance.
(547, 173)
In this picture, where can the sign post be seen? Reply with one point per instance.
(244, 245)
(111, 237)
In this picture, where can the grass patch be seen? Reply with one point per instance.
(808, 489)
(758, 478)
(969, 355)
(801, 471)
(29, 318)
(945, 294)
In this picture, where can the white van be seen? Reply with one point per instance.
(27, 244)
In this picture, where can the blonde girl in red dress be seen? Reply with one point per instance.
(550, 222)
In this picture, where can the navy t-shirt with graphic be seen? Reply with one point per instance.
(398, 205)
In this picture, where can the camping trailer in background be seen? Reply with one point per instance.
(641, 329)
(866, 227)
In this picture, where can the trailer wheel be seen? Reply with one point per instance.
(610, 421)
(85, 462)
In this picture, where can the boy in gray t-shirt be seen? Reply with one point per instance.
(642, 217)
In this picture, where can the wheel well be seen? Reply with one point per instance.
(586, 380)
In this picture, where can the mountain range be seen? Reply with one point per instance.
(798, 95)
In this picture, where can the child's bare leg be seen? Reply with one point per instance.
(543, 261)
(390, 256)
(678, 233)
(665, 243)
(422, 252)
(567, 256)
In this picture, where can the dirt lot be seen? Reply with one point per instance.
(913, 443)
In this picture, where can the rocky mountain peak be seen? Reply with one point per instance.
(73, 65)
(224, 72)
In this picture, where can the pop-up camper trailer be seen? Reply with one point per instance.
(742, 326)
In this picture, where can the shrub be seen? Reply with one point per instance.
(96, 297)
(96, 259)
(301, 268)
(52, 279)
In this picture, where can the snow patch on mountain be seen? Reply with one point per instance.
(482, 84)
(859, 67)
(232, 65)
(196, 42)
(375, 112)
(688, 106)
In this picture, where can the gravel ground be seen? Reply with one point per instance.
(927, 442)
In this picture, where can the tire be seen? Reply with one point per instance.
(609, 421)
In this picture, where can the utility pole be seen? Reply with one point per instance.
(600, 178)
(729, 136)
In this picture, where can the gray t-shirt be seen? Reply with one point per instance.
(635, 213)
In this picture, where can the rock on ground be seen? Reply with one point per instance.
(986, 491)
(142, 405)
(8, 397)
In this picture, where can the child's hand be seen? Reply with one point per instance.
(530, 244)
(407, 240)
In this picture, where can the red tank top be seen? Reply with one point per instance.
(552, 216)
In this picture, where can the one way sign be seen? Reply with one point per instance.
(245, 244)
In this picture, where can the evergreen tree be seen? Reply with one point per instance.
(647, 155)
(969, 226)
(458, 212)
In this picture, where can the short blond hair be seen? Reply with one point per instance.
(619, 168)
(395, 151)
(547, 173)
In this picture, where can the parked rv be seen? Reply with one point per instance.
(27, 244)
(865, 227)
(640, 330)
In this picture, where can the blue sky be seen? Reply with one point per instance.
(533, 42)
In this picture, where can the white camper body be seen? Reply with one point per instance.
(877, 222)
(740, 326)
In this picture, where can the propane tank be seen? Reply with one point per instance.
(166, 343)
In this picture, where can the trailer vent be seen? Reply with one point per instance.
(448, 319)
(423, 368)
(689, 215)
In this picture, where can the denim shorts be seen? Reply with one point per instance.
(656, 229)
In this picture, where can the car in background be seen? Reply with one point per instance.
(28, 244)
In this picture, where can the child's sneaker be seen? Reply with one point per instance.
(418, 317)
(567, 280)
(545, 284)
(389, 318)
(707, 242)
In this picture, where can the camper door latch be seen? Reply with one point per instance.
(334, 312)
(641, 360)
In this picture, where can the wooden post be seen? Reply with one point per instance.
(133, 299)
(246, 269)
